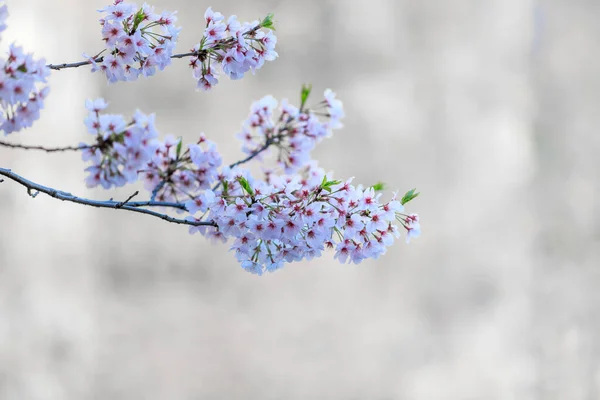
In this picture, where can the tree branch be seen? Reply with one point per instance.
(46, 149)
(58, 67)
(123, 205)
(200, 53)
(255, 153)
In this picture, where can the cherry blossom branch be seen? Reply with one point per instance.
(33, 189)
(255, 153)
(58, 67)
(200, 54)
(46, 149)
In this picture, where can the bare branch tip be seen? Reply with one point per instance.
(121, 204)
(32, 193)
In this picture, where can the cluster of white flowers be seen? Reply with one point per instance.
(236, 47)
(122, 151)
(291, 218)
(22, 92)
(173, 174)
(138, 41)
(297, 136)
(280, 219)
(121, 148)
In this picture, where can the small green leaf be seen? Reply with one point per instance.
(324, 181)
(225, 187)
(409, 196)
(267, 22)
(326, 184)
(304, 93)
(378, 186)
(138, 18)
(179, 144)
(246, 186)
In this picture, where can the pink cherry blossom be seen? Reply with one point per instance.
(138, 41)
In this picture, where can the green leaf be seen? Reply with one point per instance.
(138, 18)
(324, 181)
(179, 144)
(304, 93)
(268, 22)
(409, 196)
(326, 184)
(378, 186)
(225, 187)
(246, 185)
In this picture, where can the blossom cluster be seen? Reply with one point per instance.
(294, 132)
(287, 217)
(22, 90)
(234, 46)
(138, 41)
(121, 149)
(303, 212)
(175, 175)
(291, 218)
(124, 151)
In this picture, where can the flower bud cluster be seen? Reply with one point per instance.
(294, 133)
(22, 92)
(234, 46)
(138, 41)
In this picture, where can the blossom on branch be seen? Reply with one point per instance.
(138, 41)
(297, 217)
(175, 174)
(22, 92)
(234, 46)
(121, 149)
(294, 132)
(289, 216)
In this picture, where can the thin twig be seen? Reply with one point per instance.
(121, 204)
(157, 189)
(58, 67)
(58, 194)
(150, 203)
(255, 153)
(46, 149)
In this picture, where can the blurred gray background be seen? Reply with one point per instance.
(489, 108)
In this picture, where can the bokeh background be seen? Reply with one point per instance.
(489, 108)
